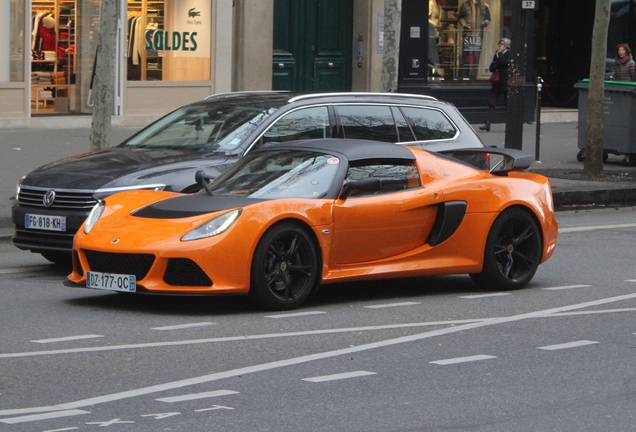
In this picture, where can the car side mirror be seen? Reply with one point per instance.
(368, 184)
(202, 180)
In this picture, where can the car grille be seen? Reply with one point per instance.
(64, 199)
(120, 263)
(43, 240)
(185, 272)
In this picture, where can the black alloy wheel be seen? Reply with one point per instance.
(285, 268)
(513, 252)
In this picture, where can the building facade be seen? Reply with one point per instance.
(171, 52)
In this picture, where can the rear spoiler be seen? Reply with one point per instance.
(512, 159)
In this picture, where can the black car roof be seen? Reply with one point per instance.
(351, 149)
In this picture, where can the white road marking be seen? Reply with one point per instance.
(631, 280)
(388, 305)
(595, 312)
(478, 296)
(567, 345)
(62, 430)
(67, 338)
(184, 326)
(214, 408)
(236, 338)
(564, 287)
(194, 396)
(295, 314)
(283, 335)
(339, 376)
(457, 360)
(44, 416)
(161, 416)
(595, 227)
(277, 364)
(110, 422)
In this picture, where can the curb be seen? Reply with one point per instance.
(564, 200)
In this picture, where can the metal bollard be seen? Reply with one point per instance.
(537, 145)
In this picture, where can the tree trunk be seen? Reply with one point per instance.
(593, 162)
(105, 75)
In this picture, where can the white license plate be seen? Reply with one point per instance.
(111, 281)
(45, 222)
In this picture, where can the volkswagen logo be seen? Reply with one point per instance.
(49, 198)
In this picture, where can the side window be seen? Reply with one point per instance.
(300, 124)
(395, 177)
(367, 122)
(429, 124)
(404, 130)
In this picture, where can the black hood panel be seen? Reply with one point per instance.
(191, 205)
(117, 167)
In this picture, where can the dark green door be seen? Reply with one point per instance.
(312, 45)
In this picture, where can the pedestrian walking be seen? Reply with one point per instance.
(498, 79)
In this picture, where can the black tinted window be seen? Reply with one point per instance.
(394, 177)
(368, 122)
(429, 124)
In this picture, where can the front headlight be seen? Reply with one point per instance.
(214, 227)
(18, 187)
(93, 216)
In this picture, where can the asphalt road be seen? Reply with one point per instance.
(412, 355)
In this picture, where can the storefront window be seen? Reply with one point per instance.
(463, 37)
(12, 29)
(168, 40)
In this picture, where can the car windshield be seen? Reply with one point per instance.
(281, 174)
(215, 127)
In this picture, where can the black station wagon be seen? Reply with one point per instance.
(54, 200)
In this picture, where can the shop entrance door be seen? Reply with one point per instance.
(312, 45)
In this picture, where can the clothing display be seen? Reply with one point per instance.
(139, 28)
(53, 52)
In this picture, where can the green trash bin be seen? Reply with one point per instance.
(619, 114)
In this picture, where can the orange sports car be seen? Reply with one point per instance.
(289, 217)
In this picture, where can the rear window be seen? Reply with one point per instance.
(368, 122)
(429, 124)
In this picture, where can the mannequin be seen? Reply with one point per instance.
(473, 16)
(47, 34)
(434, 12)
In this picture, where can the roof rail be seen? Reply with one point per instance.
(237, 93)
(319, 95)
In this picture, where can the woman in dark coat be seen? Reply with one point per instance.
(625, 69)
(500, 62)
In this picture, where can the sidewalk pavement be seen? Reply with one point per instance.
(22, 150)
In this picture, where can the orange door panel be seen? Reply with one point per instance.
(379, 227)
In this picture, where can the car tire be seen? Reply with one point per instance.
(512, 253)
(285, 268)
(580, 156)
(59, 258)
